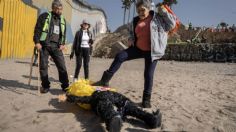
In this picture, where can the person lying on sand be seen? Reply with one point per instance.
(111, 106)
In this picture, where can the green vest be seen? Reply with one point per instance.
(46, 28)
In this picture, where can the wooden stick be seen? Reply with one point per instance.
(31, 69)
(39, 71)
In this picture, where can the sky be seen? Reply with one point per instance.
(199, 12)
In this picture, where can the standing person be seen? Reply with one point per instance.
(49, 39)
(234, 28)
(82, 48)
(149, 31)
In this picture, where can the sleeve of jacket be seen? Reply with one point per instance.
(64, 41)
(169, 19)
(131, 31)
(91, 40)
(74, 43)
(39, 27)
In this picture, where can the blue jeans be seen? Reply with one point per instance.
(135, 53)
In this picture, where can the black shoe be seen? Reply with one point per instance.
(34, 64)
(115, 124)
(44, 90)
(106, 77)
(158, 117)
(64, 90)
(64, 87)
(153, 120)
(100, 83)
(146, 103)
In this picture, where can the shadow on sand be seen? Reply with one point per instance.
(36, 78)
(86, 118)
(14, 85)
(23, 62)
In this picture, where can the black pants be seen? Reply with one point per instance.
(58, 58)
(85, 56)
(135, 53)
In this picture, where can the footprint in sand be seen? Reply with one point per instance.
(133, 96)
(154, 93)
(38, 119)
(133, 91)
(130, 91)
(15, 107)
(126, 93)
(229, 127)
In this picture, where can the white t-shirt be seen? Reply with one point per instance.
(85, 39)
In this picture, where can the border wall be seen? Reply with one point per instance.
(18, 18)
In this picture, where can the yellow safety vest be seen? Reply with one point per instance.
(47, 24)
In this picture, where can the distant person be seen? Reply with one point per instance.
(218, 28)
(82, 48)
(49, 39)
(150, 29)
(234, 28)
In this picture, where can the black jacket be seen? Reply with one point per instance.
(77, 41)
(39, 28)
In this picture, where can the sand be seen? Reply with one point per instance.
(193, 96)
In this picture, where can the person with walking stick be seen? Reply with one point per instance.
(49, 39)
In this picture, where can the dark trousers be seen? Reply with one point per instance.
(58, 58)
(84, 56)
(135, 53)
(105, 103)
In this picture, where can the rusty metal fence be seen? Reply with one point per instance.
(17, 21)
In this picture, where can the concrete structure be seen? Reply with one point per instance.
(16, 29)
(225, 52)
(75, 11)
(18, 18)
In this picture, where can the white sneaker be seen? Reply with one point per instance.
(75, 80)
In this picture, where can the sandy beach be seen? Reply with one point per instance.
(193, 96)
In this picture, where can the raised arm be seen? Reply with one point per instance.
(168, 16)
